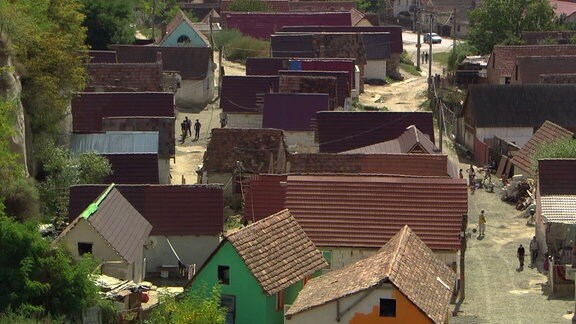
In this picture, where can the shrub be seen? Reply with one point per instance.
(238, 47)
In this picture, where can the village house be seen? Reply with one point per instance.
(260, 269)
(411, 141)
(539, 37)
(503, 59)
(187, 222)
(343, 131)
(546, 134)
(565, 10)
(295, 114)
(445, 12)
(195, 66)
(302, 81)
(404, 282)
(133, 156)
(512, 113)
(323, 6)
(183, 32)
(234, 153)
(534, 69)
(112, 231)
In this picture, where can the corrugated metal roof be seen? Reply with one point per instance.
(342, 78)
(330, 64)
(308, 6)
(557, 176)
(405, 261)
(266, 65)
(293, 111)
(277, 252)
(343, 131)
(264, 196)
(115, 142)
(288, 45)
(311, 84)
(324, 45)
(133, 168)
(264, 24)
(171, 209)
(243, 93)
(89, 108)
(366, 211)
(559, 209)
(547, 133)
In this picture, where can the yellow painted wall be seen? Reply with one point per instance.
(406, 312)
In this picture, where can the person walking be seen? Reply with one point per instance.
(188, 124)
(460, 174)
(520, 254)
(534, 248)
(426, 57)
(197, 126)
(471, 178)
(481, 224)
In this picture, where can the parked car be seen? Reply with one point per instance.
(435, 38)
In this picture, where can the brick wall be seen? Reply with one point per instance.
(134, 76)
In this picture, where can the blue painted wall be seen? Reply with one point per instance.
(184, 29)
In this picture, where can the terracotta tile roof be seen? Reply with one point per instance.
(277, 251)
(342, 131)
(529, 69)
(547, 133)
(244, 94)
(171, 209)
(259, 150)
(102, 56)
(411, 141)
(425, 165)
(119, 223)
(558, 208)
(264, 196)
(293, 111)
(563, 7)
(405, 262)
(177, 20)
(366, 211)
(505, 55)
(145, 77)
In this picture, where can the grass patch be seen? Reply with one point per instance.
(238, 47)
(411, 69)
(441, 58)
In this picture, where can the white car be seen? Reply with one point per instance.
(435, 38)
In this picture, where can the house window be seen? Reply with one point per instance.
(280, 300)
(183, 39)
(84, 248)
(328, 257)
(224, 274)
(387, 307)
(229, 302)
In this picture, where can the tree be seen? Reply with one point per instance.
(503, 21)
(108, 22)
(196, 307)
(247, 6)
(459, 54)
(560, 149)
(37, 280)
(372, 5)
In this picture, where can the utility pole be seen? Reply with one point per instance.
(153, 21)
(454, 46)
(430, 80)
(441, 126)
(418, 29)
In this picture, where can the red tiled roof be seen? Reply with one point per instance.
(243, 93)
(293, 111)
(366, 211)
(343, 131)
(405, 261)
(557, 176)
(505, 55)
(411, 141)
(264, 195)
(529, 69)
(89, 108)
(171, 209)
(547, 133)
(277, 252)
(563, 7)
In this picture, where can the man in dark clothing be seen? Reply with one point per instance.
(520, 254)
(197, 126)
(426, 57)
(188, 126)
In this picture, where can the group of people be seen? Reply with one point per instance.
(424, 57)
(471, 177)
(187, 129)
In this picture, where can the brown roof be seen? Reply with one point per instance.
(426, 165)
(504, 56)
(557, 190)
(117, 221)
(277, 251)
(171, 209)
(365, 211)
(177, 20)
(145, 77)
(547, 133)
(327, 6)
(271, 5)
(405, 262)
(264, 196)
(411, 141)
(558, 78)
(529, 69)
(260, 150)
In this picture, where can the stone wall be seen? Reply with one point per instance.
(244, 120)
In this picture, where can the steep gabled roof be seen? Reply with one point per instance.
(171, 209)
(405, 261)
(557, 190)
(182, 18)
(547, 133)
(412, 139)
(563, 7)
(117, 221)
(365, 211)
(503, 57)
(522, 105)
(277, 251)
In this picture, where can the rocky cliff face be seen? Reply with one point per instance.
(10, 90)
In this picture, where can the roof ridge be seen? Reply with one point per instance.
(93, 207)
(398, 249)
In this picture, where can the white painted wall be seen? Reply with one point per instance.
(164, 171)
(375, 69)
(195, 93)
(193, 249)
(301, 142)
(517, 135)
(244, 120)
(327, 313)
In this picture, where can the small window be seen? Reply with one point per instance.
(280, 300)
(387, 307)
(328, 257)
(84, 248)
(183, 39)
(224, 275)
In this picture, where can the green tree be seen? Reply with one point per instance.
(561, 149)
(37, 280)
(247, 6)
(372, 5)
(503, 21)
(108, 22)
(196, 307)
(459, 54)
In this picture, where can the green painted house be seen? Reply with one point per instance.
(182, 32)
(261, 268)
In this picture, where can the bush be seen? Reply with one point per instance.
(238, 47)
